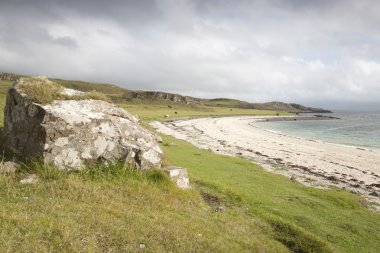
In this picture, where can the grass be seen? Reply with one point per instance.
(40, 91)
(43, 91)
(113, 208)
(234, 206)
(303, 218)
(88, 95)
(232, 103)
(108, 89)
(149, 112)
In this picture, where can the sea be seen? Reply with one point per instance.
(358, 129)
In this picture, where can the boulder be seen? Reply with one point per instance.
(72, 133)
(8, 167)
(179, 176)
(30, 179)
(8, 76)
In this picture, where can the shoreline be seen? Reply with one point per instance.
(310, 162)
(366, 148)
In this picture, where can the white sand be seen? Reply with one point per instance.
(311, 162)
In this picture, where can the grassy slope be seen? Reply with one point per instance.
(331, 216)
(116, 212)
(228, 103)
(121, 209)
(4, 86)
(264, 212)
(148, 112)
(108, 89)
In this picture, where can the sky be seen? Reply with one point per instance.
(318, 53)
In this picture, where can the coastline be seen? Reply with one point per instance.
(310, 162)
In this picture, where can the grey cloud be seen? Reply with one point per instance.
(65, 41)
(314, 52)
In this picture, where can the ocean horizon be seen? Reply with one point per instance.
(353, 128)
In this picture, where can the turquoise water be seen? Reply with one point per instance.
(360, 129)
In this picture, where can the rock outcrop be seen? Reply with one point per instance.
(72, 133)
(159, 95)
(8, 76)
(8, 167)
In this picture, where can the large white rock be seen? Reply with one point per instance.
(8, 167)
(72, 133)
(179, 176)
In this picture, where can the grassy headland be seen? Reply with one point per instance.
(234, 205)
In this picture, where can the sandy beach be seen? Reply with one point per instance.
(311, 162)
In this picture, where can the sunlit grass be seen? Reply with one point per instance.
(303, 218)
(112, 208)
(115, 208)
(149, 112)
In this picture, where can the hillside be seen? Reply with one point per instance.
(233, 206)
(122, 95)
(276, 106)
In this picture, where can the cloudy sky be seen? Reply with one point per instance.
(320, 53)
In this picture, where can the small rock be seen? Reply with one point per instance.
(159, 139)
(332, 178)
(30, 179)
(375, 194)
(142, 246)
(179, 176)
(8, 167)
(293, 178)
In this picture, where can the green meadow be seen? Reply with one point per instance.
(233, 206)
